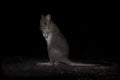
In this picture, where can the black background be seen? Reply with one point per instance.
(89, 31)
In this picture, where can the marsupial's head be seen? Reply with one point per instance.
(45, 23)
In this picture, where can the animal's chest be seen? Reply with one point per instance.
(48, 38)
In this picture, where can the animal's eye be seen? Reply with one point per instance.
(45, 23)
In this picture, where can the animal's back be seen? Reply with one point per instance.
(58, 47)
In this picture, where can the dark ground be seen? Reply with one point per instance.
(27, 69)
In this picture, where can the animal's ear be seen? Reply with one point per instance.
(42, 15)
(48, 17)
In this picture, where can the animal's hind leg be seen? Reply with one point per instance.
(52, 61)
(66, 61)
(56, 63)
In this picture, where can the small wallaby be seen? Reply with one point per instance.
(57, 45)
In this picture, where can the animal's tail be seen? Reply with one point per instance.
(71, 63)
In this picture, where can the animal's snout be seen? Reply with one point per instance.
(43, 28)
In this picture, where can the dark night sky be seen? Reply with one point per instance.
(22, 35)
